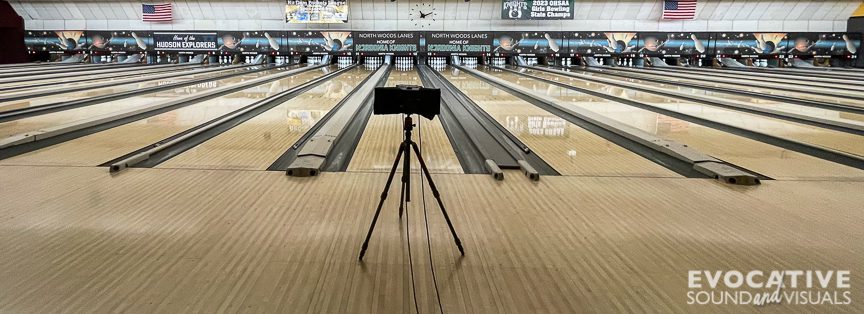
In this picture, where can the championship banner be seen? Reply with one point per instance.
(55, 41)
(673, 44)
(458, 43)
(185, 41)
(537, 10)
(257, 41)
(119, 42)
(316, 11)
(526, 43)
(386, 43)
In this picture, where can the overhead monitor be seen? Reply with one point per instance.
(316, 11)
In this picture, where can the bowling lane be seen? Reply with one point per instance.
(773, 161)
(96, 91)
(566, 147)
(840, 90)
(113, 107)
(712, 96)
(101, 147)
(769, 77)
(638, 74)
(80, 79)
(850, 143)
(383, 134)
(92, 70)
(258, 142)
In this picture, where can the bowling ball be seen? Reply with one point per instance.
(620, 45)
(69, 44)
(769, 47)
(336, 45)
(99, 41)
(506, 43)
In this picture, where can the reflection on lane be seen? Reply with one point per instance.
(568, 148)
(258, 142)
(775, 162)
(103, 146)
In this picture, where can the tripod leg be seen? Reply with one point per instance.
(406, 181)
(402, 149)
(437, 197)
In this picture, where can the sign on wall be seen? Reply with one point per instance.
(55, 41)
(823, 44)
(316, 11)
(320, 42)
(458, 43)
(750, 43)
(600, 43)
(119, 41)
(527, 43)
(257, 41)
(185, 41)
(674, 44)
(537, 10)
(386, 42)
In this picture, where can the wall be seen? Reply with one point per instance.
(12, 32)
(479, 15)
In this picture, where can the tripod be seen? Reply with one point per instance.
(405, 196)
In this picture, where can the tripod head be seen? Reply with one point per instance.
(408, 99)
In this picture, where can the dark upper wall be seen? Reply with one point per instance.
(12, 34)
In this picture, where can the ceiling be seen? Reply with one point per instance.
(642, 15)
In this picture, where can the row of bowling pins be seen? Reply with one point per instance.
(105, 59)
(283, 59)
(469, 61)
(226, 59)
(400, 61)
(437, 61)
(760, 63)
(168, 58)
(624, 62)
(314, 60)
(531, 61)
(498, 61)
(344, 60)
(373, 60)
(566, 62)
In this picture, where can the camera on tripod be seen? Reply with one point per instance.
(408, 99)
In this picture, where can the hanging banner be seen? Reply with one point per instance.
(673, 44)
(750, 44)
(316, 11)
(823, 44)
(537, 10)
(601, 44)
(386, 43)
(119, 42)
(320, 43)
(458, 43)
(252, 42)
(526, 43)
(185, 41)
(59, 41)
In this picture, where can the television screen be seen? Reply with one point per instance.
(316, 11)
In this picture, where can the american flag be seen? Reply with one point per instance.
(156, 12)
(679, 9)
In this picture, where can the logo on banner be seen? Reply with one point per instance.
(757, 287)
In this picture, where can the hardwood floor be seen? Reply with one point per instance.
(76, 239)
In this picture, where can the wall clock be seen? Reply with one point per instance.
(423, 15)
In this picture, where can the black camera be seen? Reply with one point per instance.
(408, 99)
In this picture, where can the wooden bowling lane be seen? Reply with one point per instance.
(101, 147)
(636, 77)
(96, 91)
(772, 161)
(377, 148)
(766, 87)
(568, 148)
(179, 241)
(107, 108)
(849, 143)
(765, 78)
(258, 142)
(80, 79)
